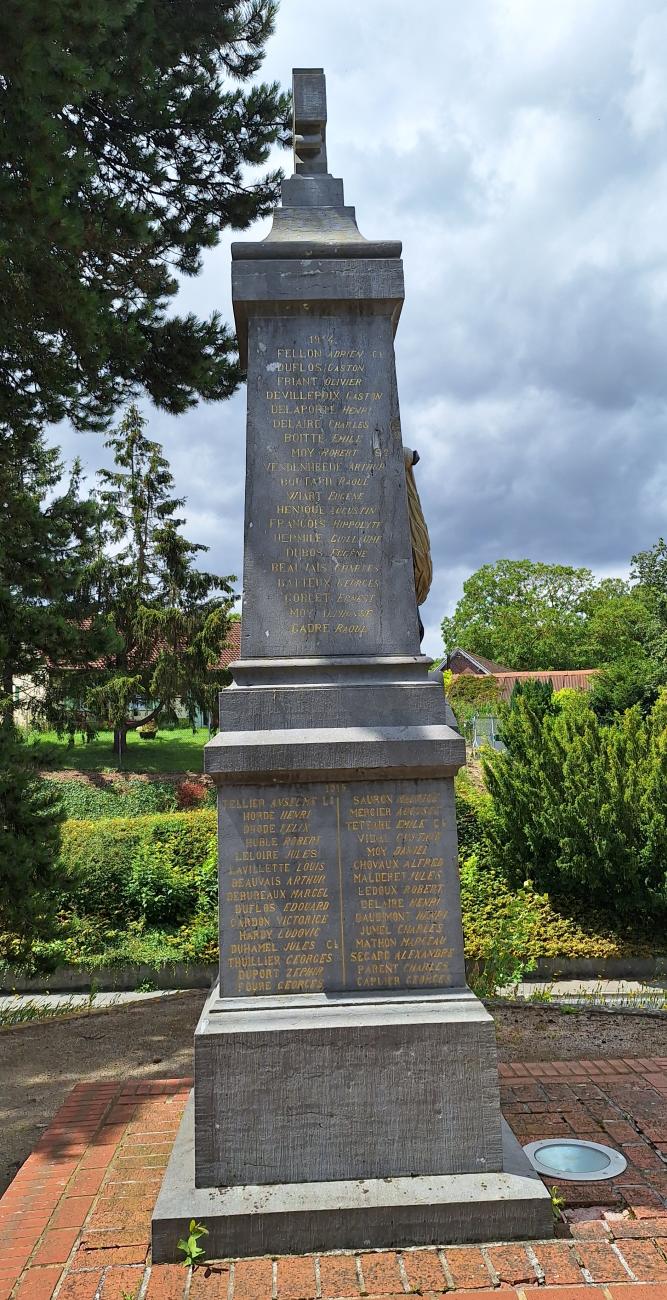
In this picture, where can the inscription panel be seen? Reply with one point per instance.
(338, 886)
(328, 564)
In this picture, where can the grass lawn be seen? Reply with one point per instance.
(170, 751)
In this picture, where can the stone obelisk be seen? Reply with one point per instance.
(346, 1086)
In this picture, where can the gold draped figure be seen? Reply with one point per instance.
(419, 538)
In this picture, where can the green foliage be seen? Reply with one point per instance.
(522, 614)
(527, 917)
(128, 143)
(143, 891)
(30, 818)
(143, 869)
(471, 695)
(539, 696)
(473, 690)
(633, 680)
(193, 1252)
(617, 622)
(473, 811)
(505, 930)
(580, 808)
(47, 545)
(169, 622)
(650, 573)
(148, 731)
(85, 801)
(530, 615)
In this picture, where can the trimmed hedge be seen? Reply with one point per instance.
(87, 802)
(121, 869)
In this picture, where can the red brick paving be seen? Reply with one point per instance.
(75, 1222)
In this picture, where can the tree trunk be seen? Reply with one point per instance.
(7, 693)
(120, 742)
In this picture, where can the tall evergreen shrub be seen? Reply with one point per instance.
(30, 817)
(580, 808)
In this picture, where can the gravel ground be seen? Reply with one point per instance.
(40, 1062)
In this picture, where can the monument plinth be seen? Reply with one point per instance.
(346, 1088)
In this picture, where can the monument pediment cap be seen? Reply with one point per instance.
(313, 221)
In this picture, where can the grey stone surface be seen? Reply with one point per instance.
(309, 108)
(332, 886)
(335, 753)
(350, 1215)
(359, 1088)
(327, 561)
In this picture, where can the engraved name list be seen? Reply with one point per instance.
(326, 466)
(335, 886)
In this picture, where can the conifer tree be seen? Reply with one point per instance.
(169, 618)
(127, 131)
(48, 540)
(30, 816)
(578, 808)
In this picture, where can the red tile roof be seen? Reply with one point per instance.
(230, 651)
(232, 647)
(578, 680)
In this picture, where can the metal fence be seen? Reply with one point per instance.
(485, 730)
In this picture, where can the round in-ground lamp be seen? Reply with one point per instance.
(574, 1161)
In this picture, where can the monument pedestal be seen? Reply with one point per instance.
(319, 1096)
(346, 1086)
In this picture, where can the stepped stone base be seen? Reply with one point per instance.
(342, 1121)
(350, 1214)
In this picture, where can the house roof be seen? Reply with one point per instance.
(232, 647)
(486, 666)
(229, 653)
(578, 680)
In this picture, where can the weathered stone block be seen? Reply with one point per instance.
(345, 1088)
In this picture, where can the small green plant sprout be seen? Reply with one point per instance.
(193, 1253)
(128, 1295)
(543, 994)
(557, 1202)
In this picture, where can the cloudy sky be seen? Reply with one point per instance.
(519, 150)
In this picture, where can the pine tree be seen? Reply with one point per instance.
(47, 543)
(30, 816)
(579, 807)
(127, 129)
(169, 623)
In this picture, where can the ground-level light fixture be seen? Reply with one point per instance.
(574, 1161)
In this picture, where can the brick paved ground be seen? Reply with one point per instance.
(75, 1223)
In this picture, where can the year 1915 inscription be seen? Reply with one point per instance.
(338, 886)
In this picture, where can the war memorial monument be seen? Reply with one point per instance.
(346, 1088)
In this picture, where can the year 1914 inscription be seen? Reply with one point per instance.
(338, 886)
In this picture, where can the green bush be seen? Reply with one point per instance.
(115, 798)
(471, 695)
(501, 929)
(30, 818)
(149, 869)
(580, 808)
(474, 809)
